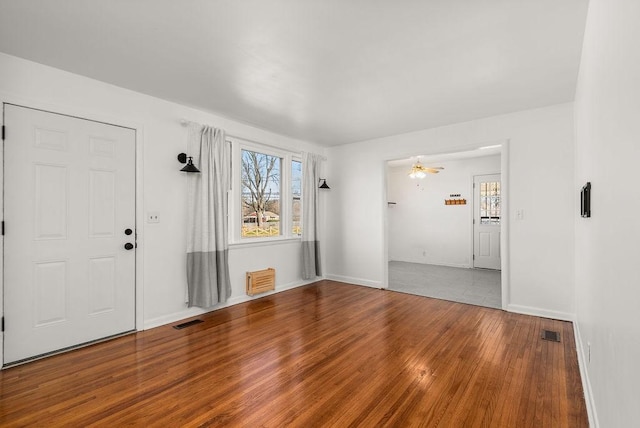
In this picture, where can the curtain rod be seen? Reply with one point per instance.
(185, 123)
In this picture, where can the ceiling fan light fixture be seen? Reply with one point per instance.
(418, 170)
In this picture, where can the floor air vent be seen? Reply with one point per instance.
(187, 324)
(553, 336)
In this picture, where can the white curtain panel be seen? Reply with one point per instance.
(310, 217)
(207, 230)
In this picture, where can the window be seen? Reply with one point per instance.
(490, 202)
(267, 203)
(260, 178)
(296, 194)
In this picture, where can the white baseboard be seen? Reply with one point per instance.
(192, 312)
(454, 265)
(538, 312)
(174, 317)
(584, 375)
(435, 263)
(356, 281)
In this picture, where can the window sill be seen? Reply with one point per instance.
(264, 242)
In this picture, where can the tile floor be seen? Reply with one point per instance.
(479, 287)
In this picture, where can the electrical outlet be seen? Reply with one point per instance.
(153, 217)
(520, 214)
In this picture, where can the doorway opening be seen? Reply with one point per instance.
(433, 247)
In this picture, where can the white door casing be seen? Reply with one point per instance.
(486, 221)
(69, 196)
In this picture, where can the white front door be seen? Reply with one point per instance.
(69, 210)
(486, 221)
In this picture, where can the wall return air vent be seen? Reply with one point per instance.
(261, 281)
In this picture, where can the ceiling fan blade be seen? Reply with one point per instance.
(433, 170)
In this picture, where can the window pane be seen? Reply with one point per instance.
(296, 194)
(490, 203)
(260, 194)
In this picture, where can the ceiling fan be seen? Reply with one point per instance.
(420, 171)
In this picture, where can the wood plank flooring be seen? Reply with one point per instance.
(327, 354)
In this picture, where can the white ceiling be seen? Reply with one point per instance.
(433, 159)
(328, 71)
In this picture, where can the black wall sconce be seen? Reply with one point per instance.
(323, 184)
(189, 167)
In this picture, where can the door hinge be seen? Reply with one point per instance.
(3, 228)
(2, 132)
(474, 257)
(3, 324)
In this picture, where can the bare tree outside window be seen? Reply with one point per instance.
(260, 194)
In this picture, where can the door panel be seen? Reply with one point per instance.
(487, 217)
(50, 198)
(102, 282)
(50, 286)
(69, 187)
(102, 204)
(484, 244)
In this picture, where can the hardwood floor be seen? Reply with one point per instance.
(327, 354)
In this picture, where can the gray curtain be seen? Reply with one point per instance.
(310, 207)
(207, 230)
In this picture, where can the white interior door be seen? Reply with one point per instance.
(486, 221)
(69, 198)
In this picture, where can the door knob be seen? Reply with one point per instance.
(128, 246)
(128, 231)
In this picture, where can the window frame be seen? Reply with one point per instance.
(296, 158)
(286, 193)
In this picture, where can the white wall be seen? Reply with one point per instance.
(541, 183)
(421, 228)
(607, 111)
(161, 245)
